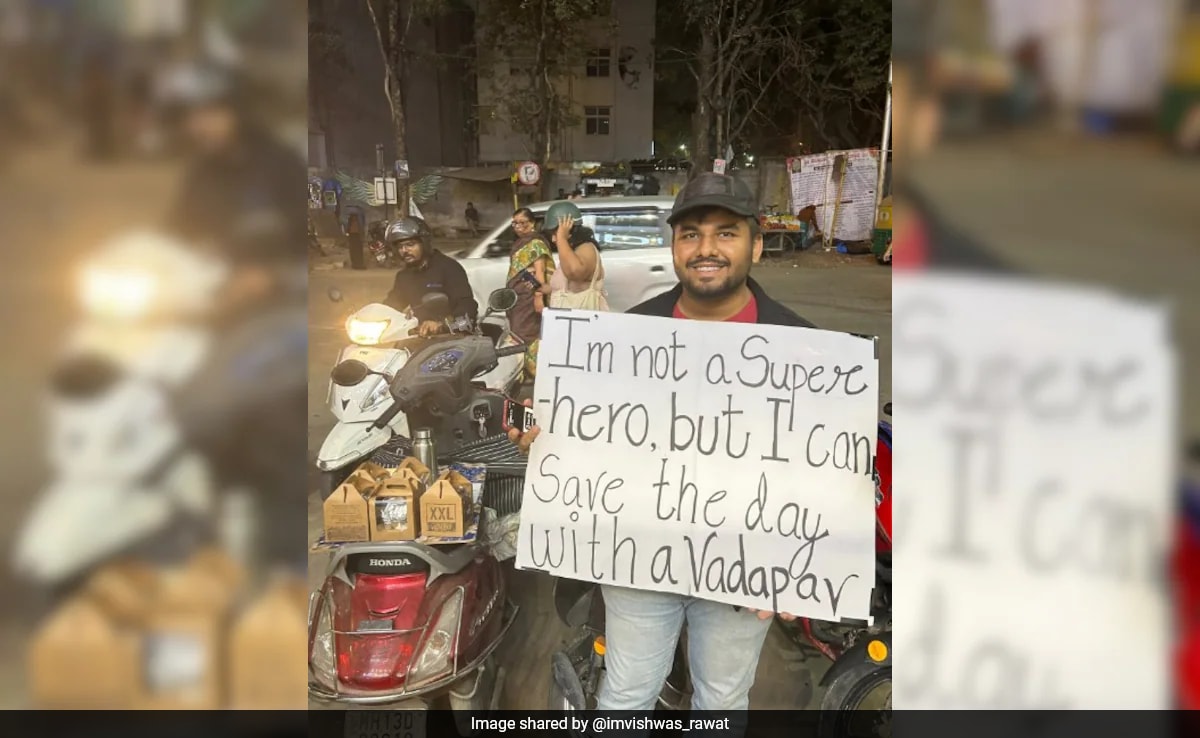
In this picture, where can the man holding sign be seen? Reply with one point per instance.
(730, 482)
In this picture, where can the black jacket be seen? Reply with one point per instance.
(949, 248)
(245, 202)
(770, 312)
(441, 274)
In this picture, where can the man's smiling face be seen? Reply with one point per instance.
(713, 249)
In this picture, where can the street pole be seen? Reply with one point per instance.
(883, 148)
(387, 203)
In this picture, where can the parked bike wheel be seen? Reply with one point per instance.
(858, 703)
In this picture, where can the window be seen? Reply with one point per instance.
(596, 119)
(626, 229)
(598, 62)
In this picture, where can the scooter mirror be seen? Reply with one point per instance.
(349, 373)
(502, 300)
(887, 409)
(335, 294)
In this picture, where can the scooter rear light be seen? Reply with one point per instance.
(437, 654)
(320, 657)
(377, 628)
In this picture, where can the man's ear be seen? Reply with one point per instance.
(756, 254)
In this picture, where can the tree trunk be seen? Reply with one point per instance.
(545, 133)
(385, 14)
(329, 128)
(703, 118)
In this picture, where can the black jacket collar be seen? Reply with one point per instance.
(770, 312)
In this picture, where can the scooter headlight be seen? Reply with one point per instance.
(377, 395)
(321, 661)
(118, 293)
(366, 332)
(436, 658)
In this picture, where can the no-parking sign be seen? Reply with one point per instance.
(528, 173)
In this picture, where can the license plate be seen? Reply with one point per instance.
(385, 723)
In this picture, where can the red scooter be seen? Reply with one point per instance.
(407, 624)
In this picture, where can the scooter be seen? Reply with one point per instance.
(380, 250)
(383, 340)
(124, 479)
(409, 624)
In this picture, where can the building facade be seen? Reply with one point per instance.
(611, 95)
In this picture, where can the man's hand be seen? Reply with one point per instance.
(767, 615)
(565, 224)
(430, 328)
(526, 439)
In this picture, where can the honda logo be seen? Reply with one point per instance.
(403, 561)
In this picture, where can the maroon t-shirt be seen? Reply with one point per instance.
(748, 314)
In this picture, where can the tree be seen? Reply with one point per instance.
(329, 69)
(390, 33)
(841, 89)
(742, 48)
(529, 49)
(768, 74)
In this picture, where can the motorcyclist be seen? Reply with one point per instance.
(238, 194)
(240, 200)
(427, 271)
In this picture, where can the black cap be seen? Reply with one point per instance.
(714, 190)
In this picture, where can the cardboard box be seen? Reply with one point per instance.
(445, 506)
(345, 511)
(124, 591)
(182, 660)
(267, 650)
(81, 659)
(411, 466)
(395, 508)
(138, 637)
(373, 470)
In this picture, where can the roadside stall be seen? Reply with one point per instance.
(783, 233)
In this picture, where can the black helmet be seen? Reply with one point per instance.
(407, 228)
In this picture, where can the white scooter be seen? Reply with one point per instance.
(384, 339)
(122, 474)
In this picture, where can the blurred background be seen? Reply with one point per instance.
(1044, 147)
(151, 193)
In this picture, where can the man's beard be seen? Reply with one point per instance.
(734, 280)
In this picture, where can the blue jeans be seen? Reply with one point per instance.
(641, 631)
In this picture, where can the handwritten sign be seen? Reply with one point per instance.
(726, 461)
(1036, 496)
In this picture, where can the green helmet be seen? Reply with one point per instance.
(558, 210)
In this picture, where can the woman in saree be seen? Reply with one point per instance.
(530, 266)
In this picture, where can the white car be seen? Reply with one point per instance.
(634, 241)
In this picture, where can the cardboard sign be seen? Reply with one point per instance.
(1038, 486)
(444, 508)
(726, 461)
(346, 514)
